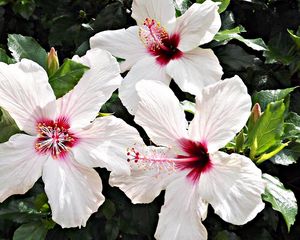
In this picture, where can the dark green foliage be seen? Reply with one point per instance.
(254, 43)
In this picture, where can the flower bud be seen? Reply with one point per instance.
(256, 112)
(52, 62)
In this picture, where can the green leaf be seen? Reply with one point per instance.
(292, 126)
(239, 141)
(229, 34)
(272, 152)
(268, 129)
(188, 106)
(295, 38)
(66, 77)
(226, 235)
(235, 58)
(108, 209)
(26, 47)
(287, 156)
(265, 97)
(181, 6)
(31, 231)
(24, 7)
(282, 199)
(223, 6)
(8, 127)
(5, 58)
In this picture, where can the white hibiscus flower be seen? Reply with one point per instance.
(63, 141)
(188, 163)
(162, 47)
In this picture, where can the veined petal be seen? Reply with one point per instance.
(180, 216)
(123, 43)
(233, 187)
(149, 176)
(222, 110)
(20, 165)
(104, 144)
(161, 11)
(198, 25)
(195, 70)
(81, 105)
(26, 93)
(146, 68)
(160, 113)
(74, 191)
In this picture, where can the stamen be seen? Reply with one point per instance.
(54, 138)
(153, 35)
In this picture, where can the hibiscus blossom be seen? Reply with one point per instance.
(188, 163)
(162, 47)
(63, 142)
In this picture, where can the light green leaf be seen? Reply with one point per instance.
(268, 129)
(226, 35)
(223, 6)
(295, 38)
(26, 47)
(8, 127)
(265, 97)
(275, 150)
(188, 106)
(66, 77)
(31, 231)
(239, 141)
(282, 199)
(287, 156)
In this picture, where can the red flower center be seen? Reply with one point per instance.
(159, 43)
(54, 137)
(196, 160)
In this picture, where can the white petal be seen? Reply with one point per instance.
(180, 216)
(160, 113)
(146, 68)
(198, 25)
(161, 11)
(26, 93)
(123, 43)
(82, 104)
(222, 111)
(104, 144)
(20, 165)
(195, 70)
(74, 191)
(233, 187)
(148, 178)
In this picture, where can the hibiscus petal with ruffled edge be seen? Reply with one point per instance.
(20, 165)
(198, 25)
(180, 216)
(160, 113)
(233, 187)
(148, 177)
(222, 110)
(74, 191)
(123, 43)
(161, 11)
(146, 68)
(195, 70)
(21, 87)
(105, 143)
(82, 104)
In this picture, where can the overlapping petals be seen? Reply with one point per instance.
(82, 104)
(66, 141)
(174, 48)
(232, 184)
(21, 87)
